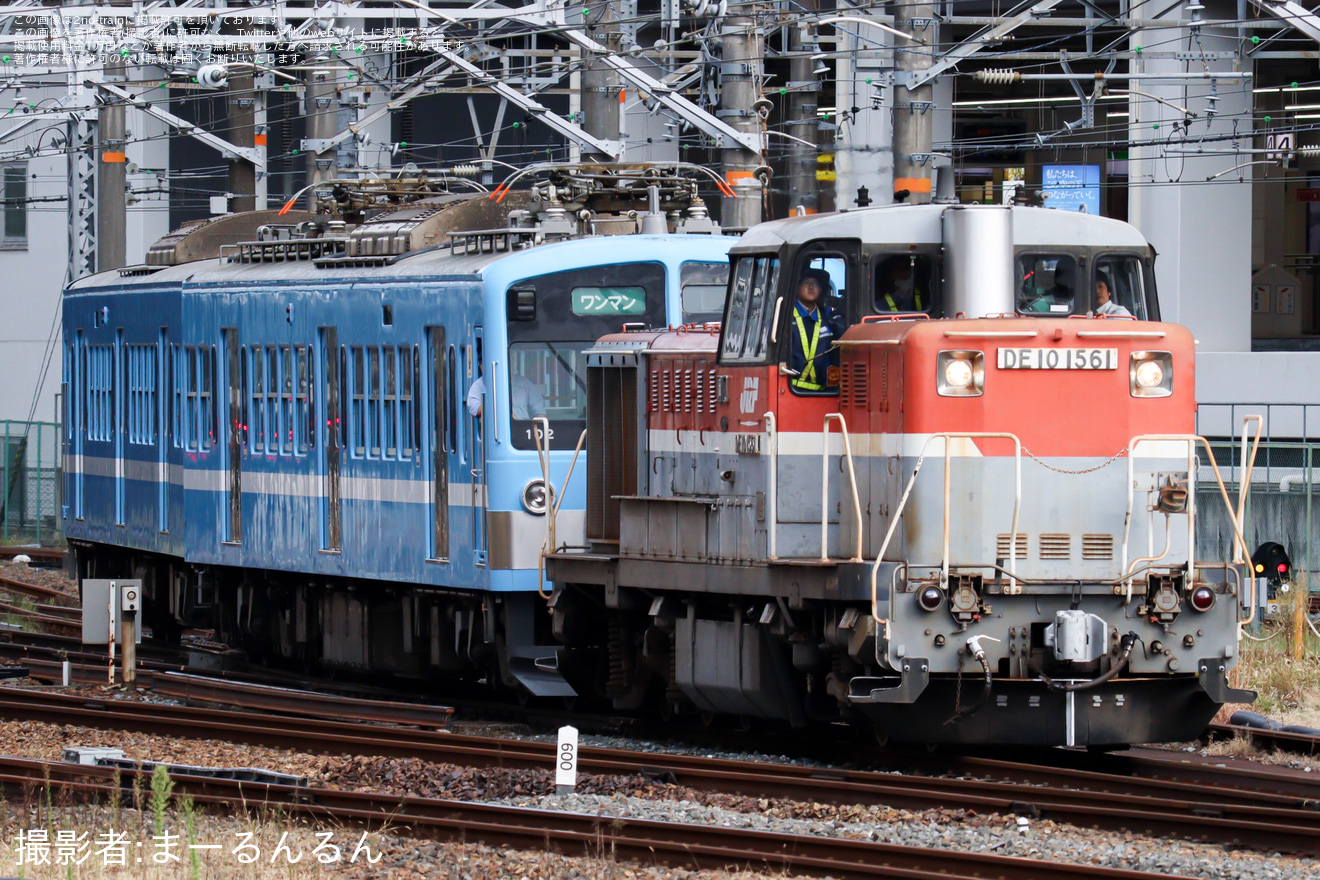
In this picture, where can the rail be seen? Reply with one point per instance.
(825, 487)
(907, 492)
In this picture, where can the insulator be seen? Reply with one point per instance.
(998, 76)
(465, 170)
(1307, 152)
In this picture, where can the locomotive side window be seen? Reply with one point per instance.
(750, 310)
(816, 320)
(1123, 283)
(1047, 284)
(904, 283)
(702, 287)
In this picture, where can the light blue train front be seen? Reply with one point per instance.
(282, 449)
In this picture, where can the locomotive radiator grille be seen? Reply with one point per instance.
(653, 392)
(1001, 546)
(701, 392)
(686, 392)
(713, 390)
(1056, 546)
(1098, 547)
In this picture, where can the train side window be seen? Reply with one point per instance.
(451, 436)
(415, 404)
(749, 312)
(373, 402)
(273, 426)
(904, 283)
(257, 417)
(304, 435)
(359, 397)
(1047, 284)
(389, 403)
(701, 291)
(1125, 281)
(286, 400)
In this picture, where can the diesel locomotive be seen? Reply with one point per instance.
(935, 472)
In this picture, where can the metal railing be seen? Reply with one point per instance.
(825, 488)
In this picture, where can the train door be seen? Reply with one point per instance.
(836, 267)
(234, 452)
(329, 415)
(477, 445)
(441, 441)
(120, 371)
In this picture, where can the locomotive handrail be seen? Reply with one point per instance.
(1123, 334)
(494, 398)
(1235, 516)
(553, 499)
(772, 486)
(907, 492)
(825, 486)
(992, 334)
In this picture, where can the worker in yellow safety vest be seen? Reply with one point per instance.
(898, 290)
(813, 333)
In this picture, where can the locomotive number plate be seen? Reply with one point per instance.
(1058, 359)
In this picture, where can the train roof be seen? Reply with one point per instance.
(922, 224)
(434, 264)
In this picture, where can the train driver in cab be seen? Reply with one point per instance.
(1104, 298)
(899, 290)
(815, 327)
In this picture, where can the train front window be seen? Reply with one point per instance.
(1047, 284)
(903, 283)
(1119, 287)
(552, 320)
(702, 287)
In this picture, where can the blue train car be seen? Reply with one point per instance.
(279, 441)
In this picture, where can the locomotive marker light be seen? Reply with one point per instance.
(566, 756)
(536, 497)
(1202, 598)
(930, 598)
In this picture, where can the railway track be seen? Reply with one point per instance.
(1239, 817)
(576, 834)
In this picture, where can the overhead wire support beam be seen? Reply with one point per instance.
(708, 123)
(613, 149)
(967, 48)
(1293, 14)
(228, 150)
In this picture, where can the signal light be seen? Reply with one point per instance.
(1271, 561)
(1283, 569)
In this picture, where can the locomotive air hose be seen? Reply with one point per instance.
(1128, 641)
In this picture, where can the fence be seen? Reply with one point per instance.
(30, 472)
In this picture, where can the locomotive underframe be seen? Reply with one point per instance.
(342, 625)
(796, 642)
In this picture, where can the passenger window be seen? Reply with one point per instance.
(750, 310)
(818, 316)
(1119, 288)
(1047, 284)
(903, 283)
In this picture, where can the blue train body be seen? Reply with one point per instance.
(282, 449)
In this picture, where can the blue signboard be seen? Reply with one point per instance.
(1072, 187)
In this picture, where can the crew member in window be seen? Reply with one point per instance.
(1104, 298)
(526, 400)
(899, 291)
(815, 328)
(1059, 298)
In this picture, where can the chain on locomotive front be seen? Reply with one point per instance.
(970, 521)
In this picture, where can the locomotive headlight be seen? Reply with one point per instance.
(960, 373)
(536, 497)
(1151, 373)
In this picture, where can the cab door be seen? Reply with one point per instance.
(476, 442)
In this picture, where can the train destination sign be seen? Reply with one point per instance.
(1058, 359)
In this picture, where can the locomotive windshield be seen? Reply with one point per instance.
(1054, 284)
(552, 320)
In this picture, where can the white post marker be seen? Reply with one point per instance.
(566, 761)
